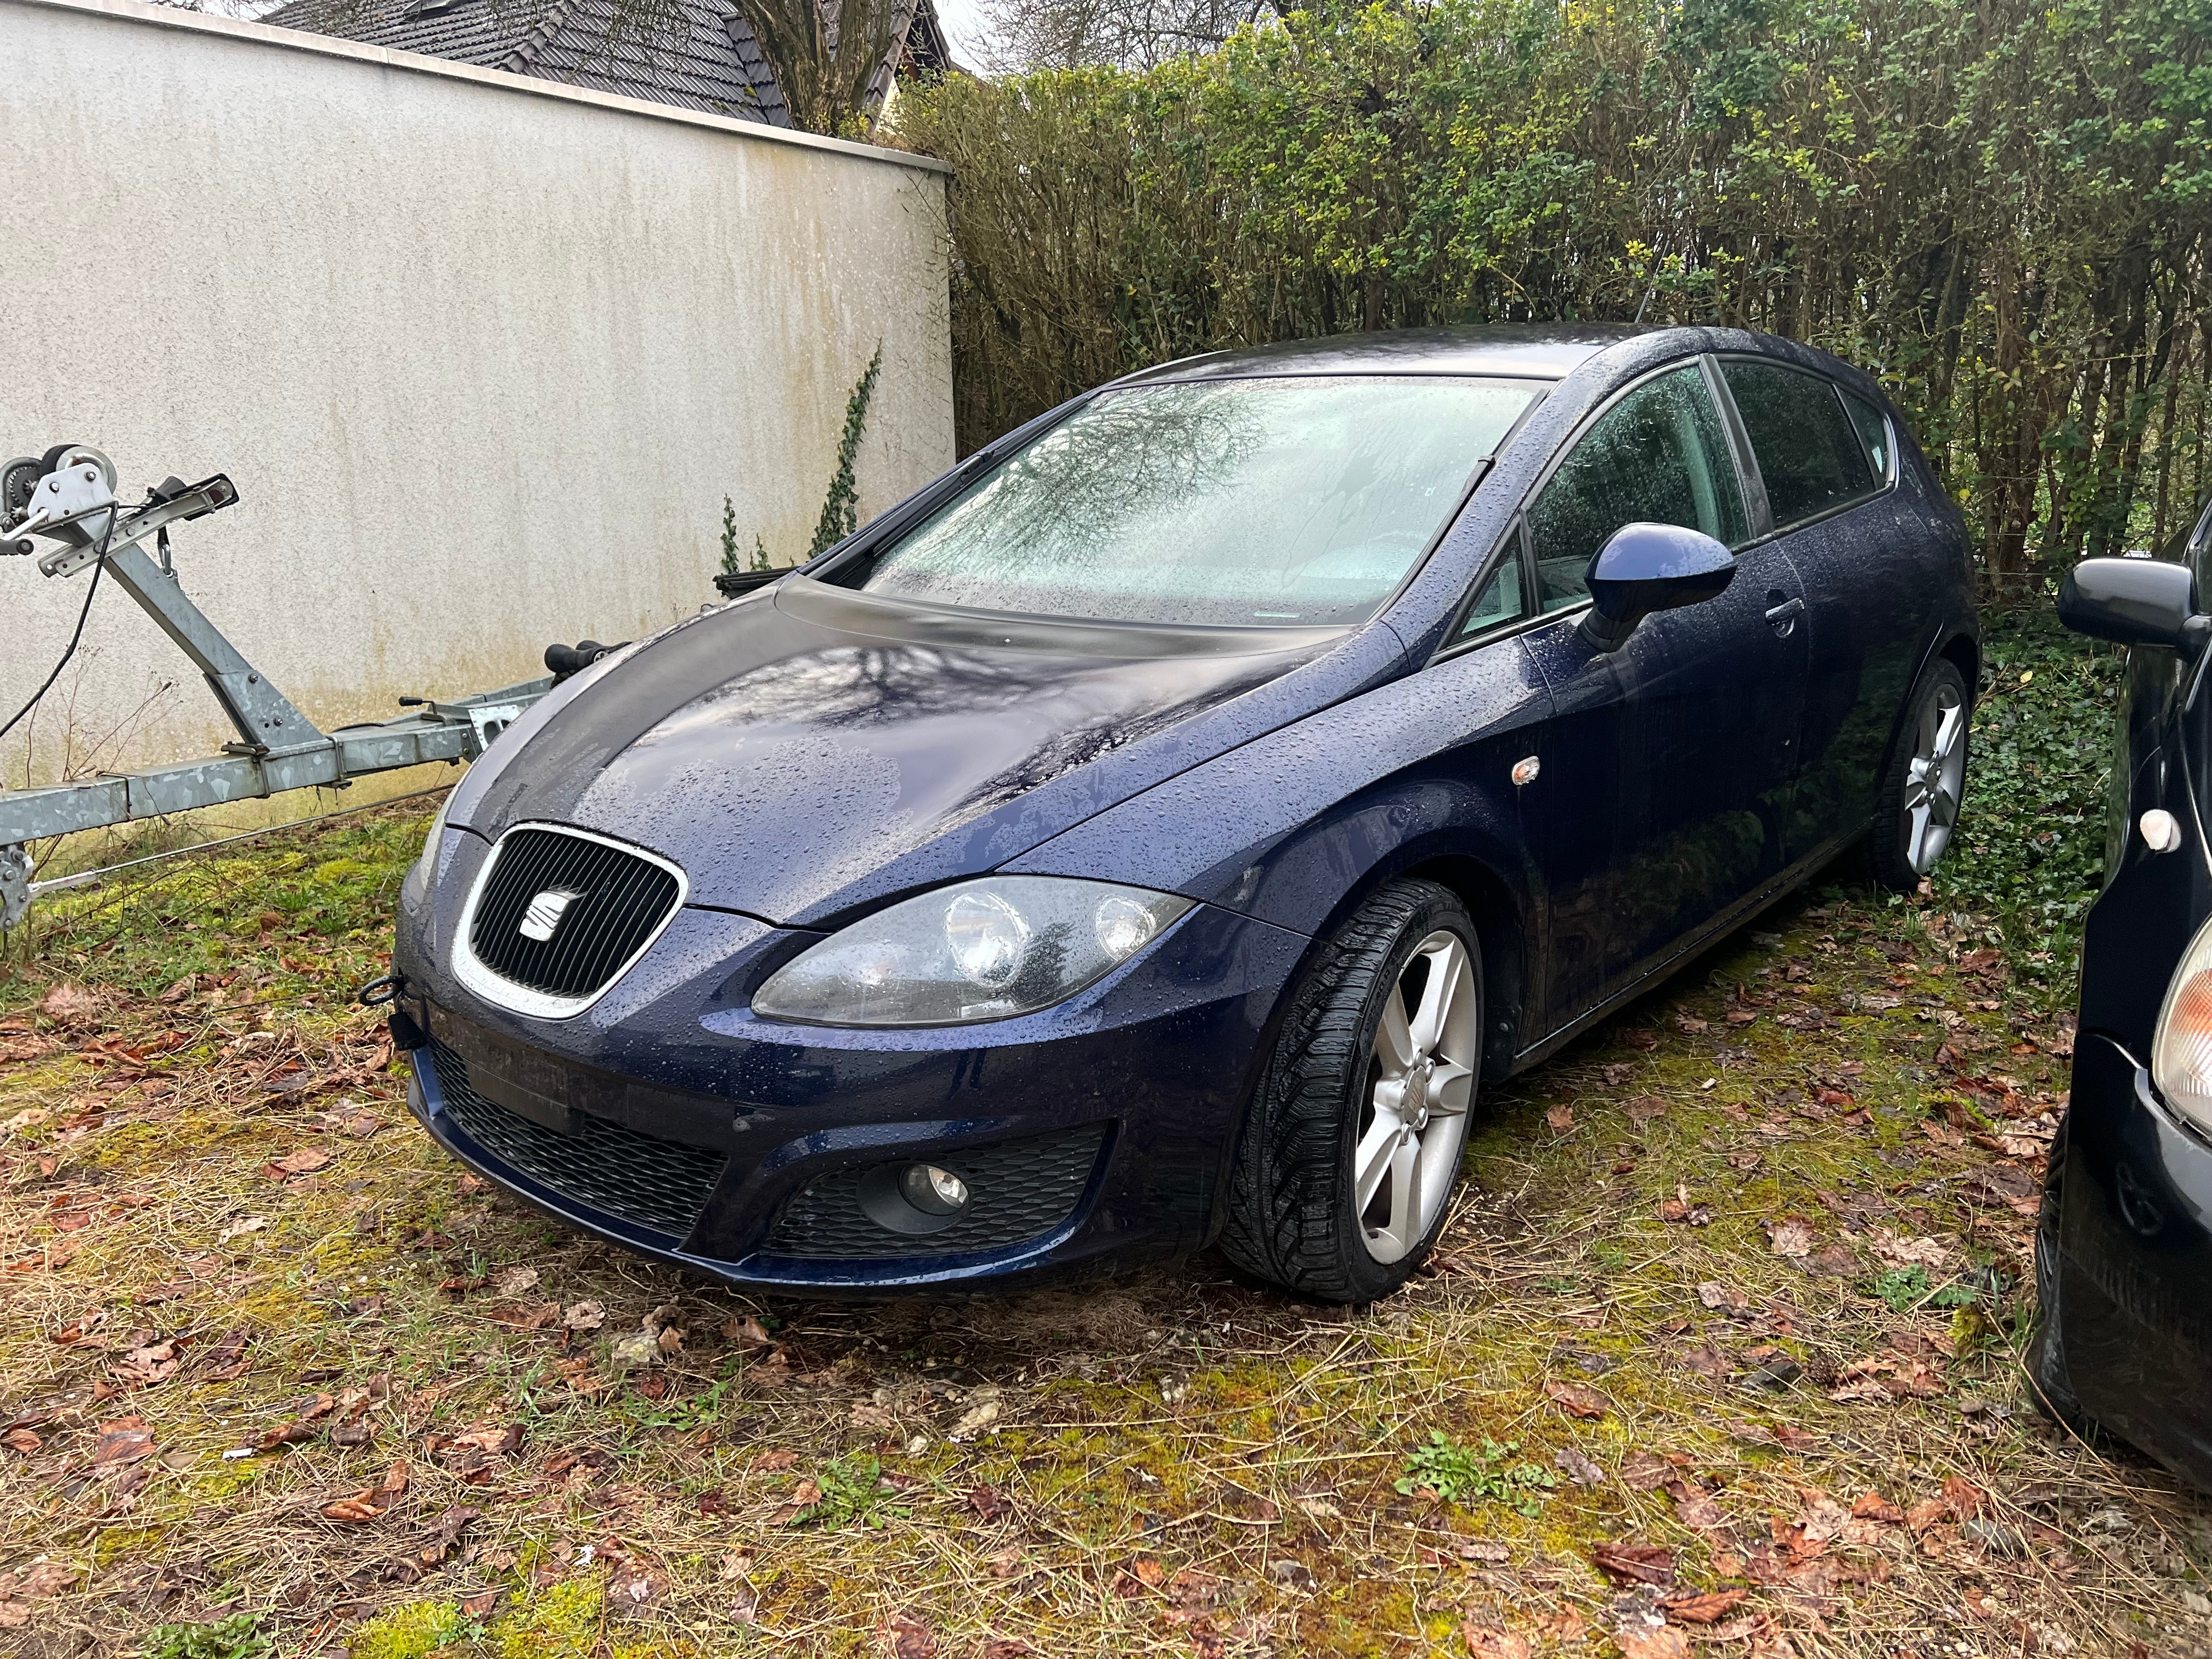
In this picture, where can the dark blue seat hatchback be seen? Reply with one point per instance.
(1153, 833)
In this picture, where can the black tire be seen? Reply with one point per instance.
(1889, 853)
(2049, 1381)
(1293, 1220)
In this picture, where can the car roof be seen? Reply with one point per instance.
(1546, 352)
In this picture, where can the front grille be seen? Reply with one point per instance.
(639, 1177)
(621, 900)
(1020, 1190)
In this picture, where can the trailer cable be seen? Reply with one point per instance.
(98, 567)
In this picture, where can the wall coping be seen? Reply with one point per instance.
(326, 46)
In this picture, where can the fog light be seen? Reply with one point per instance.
(931, 1190)
(912, 1198)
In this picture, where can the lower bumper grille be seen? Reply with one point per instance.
(640, 1178)
(1018, 1191)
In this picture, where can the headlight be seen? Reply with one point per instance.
(428, 856)
(417, 881)
(2181, 1048)
(983, 949)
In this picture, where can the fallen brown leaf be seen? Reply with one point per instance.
(1694, 1507)
(122, 1440)
(1966, 1499)
(1652, 1641)
(1642, 1564)
(71, 1004)
(305, 1161)
(1793, 1238)
(1644, 1471)
(1719, 1297)
(987, 1503)
(1706, 1608)
(1579, 1469)
(1578, 1398)
(1483, 1643)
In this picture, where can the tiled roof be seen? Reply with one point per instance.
(698, 54)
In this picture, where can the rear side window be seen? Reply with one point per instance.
(1658, 456)
(1810, 454)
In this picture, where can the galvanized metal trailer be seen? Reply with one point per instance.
(67, 497)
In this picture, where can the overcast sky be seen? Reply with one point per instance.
(963, 24)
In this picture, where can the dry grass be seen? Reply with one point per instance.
(1175, 1463)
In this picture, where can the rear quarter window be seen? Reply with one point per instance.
(1811, 454)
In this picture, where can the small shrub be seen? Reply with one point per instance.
(853, 1490)
(239, 1636)
(1905, 1288)
(1464, 1474)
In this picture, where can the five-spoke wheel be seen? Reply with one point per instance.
(1421, 1079)
(1918, 809)
(1936, 779)
(1351, 1142)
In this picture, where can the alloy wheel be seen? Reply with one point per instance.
(1420, 1082)
(1936, 780)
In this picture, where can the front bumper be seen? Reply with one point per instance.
(668, 1119)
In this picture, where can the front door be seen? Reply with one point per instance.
(1676, 753)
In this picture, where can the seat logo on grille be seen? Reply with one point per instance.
(545, 912)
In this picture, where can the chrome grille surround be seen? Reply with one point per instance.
(500, 989)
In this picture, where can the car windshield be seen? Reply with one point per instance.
(1282, 502)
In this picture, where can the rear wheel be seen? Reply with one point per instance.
(1351, 1142)
(1919, 807)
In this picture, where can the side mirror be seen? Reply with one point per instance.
(1643, 567)
(2135, 602)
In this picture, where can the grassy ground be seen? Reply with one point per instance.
(1721, 1345)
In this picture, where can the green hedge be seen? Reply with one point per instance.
(2000, 207)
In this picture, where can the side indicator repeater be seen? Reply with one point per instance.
(1525, 771)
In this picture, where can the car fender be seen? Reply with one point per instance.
(1296, 827)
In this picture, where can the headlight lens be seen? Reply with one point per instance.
(417, 881)
(2181, 1048)
(428, 856)
(980, 950)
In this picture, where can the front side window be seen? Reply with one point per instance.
(1278, 502)
(1658, 455)
(1499, 602)
(1874, 435)
(1809, 454)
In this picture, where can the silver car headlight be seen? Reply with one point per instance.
(979, 950)
(2181, 1047)
(417, 881)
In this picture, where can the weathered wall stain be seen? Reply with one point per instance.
(483, 354)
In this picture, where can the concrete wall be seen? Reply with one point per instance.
(483, 354)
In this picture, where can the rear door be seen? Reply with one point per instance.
(1666, 764)
(1826, 464)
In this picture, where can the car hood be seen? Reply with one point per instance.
(811, 749)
